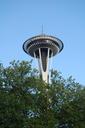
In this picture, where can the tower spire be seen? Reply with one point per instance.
(42, 29)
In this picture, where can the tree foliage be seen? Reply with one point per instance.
(28, 102)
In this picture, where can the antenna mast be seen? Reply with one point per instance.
(42, 29)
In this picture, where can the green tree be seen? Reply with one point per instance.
(28, 102)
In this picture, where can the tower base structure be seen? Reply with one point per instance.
(43, 47)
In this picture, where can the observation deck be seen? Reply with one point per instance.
(32, 45)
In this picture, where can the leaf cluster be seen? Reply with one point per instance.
(28, 102)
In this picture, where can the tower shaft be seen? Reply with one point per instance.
(44, 63)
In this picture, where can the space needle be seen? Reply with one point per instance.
(42, 47)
